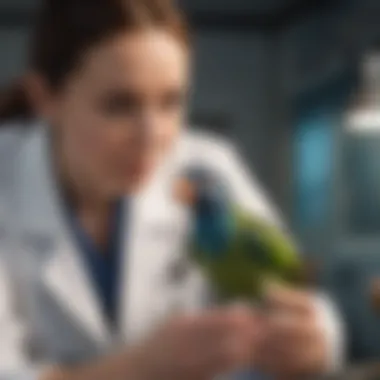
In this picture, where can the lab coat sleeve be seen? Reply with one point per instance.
(14, 363)
(251, 196)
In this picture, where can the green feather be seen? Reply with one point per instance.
(257, 254)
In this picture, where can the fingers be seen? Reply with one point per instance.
(205, 345)
(236, 330)
(240, 348)
(292, 329)
(292, 341)
(226, 339)
(286, 299)
(234, 354)
(224, 322)
(306, 357)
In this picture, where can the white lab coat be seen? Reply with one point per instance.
(49, 313)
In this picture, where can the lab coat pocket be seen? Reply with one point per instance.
(171, 274)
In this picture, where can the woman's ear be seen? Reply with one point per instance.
(39, 95)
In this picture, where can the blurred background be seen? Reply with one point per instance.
(295, 84)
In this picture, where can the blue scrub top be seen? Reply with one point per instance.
(103, 266)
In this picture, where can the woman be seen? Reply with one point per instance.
(92, 282)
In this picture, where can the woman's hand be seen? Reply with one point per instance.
(292, 341)
(199, 347)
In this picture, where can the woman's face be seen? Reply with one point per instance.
(119, 114)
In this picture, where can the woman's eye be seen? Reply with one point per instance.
(172, 101)
(125, 104)
(120, 105)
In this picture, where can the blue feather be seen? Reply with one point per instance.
(214, 224)
(212, 233)
(213, 217)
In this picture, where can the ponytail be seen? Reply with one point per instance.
(14, 103)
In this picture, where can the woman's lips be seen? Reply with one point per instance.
(133, 169)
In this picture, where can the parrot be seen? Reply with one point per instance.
(239, 253)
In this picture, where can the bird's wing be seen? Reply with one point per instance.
(267, 244)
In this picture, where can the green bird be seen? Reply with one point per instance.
(239, 253)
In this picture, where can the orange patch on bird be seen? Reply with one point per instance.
(184, 191)
(375, 295)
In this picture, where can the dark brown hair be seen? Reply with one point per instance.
(67, 29)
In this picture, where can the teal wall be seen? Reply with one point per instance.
(319, 114)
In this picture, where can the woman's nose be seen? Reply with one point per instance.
(148, 126)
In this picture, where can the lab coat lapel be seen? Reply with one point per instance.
(70, 283)
(64, 274)
(134, 273)
(151, 247)
(139, 263)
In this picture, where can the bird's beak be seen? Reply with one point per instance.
(184, 191)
